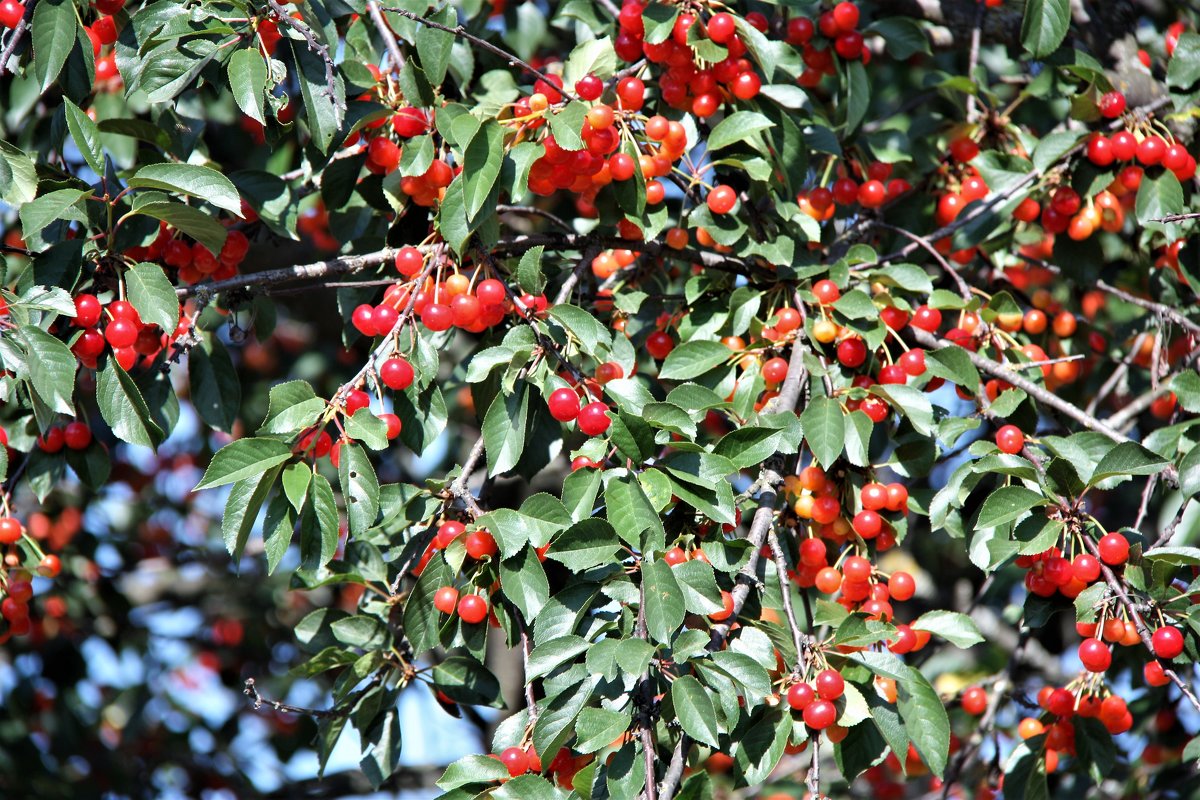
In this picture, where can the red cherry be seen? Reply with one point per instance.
(846, 16)
(820, 714)
(516, 760)
(1095, 655)
(11, 13)
(800, 30)
(593, 419)
(480, 545)
(473, 609)
(50, 566)
(1112, 104)
(1168, 642)
(721, 199)
(1100, 150)
(490, 292)
(800, 696)
(363, 319)
(659, 344)
(852, 352)
(447, 532)
(830, 684)
(631, 93)
(77, 435)
(812, 552)
(10, 530)
(721, 27)
(1010, 439)
(775, 370)
(897, 497)
(1113, 549)
(409, 261)
(121, 332)
(901, 586)
(1151, 150)
(963, 149)
(52, 440)
(445, 599)
(394, 425)
(396, 373)
(974, 701)
(437, 317)
(564, 404)
(355, 400)
(892, 374)
(826, 291)
(726, 608)
(1085, 568)
(675, 556)
(87, 311)
(927, 319)
(1124, 145)
(856, 569)
(867, 524)
(913, 362)
(589, 87)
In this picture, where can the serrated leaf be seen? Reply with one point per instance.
(824, 425)
(1044, 25)
(243, 458)
(216, 390)
(692, 359)
(248, 81)
(242, 507)
(292, 406)
(360, 488)
(694, 709)
(151, 293)
(1007, 504)
(125, 410)
(958, 629)
(664, 601)
(51, 369)
(504, 433)
(737, 127)
(86, 134)
(193, 180)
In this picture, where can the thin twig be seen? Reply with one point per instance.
(798, 637)
(345, 265)
(458, 487)
(322, 50)
(461, 32)
(251, 690)
(389, 38)
(963, 290)
(973, 60)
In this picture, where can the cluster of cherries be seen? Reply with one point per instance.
(124, 333)
(869, 188)
(16, 587)
(685, 84)
(75, 435)
(839, 27)
(815, 700)
(193, 261)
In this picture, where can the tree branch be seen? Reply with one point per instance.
(322, 50)
(389, 38)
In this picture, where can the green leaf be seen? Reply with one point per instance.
(279, 525)
(1007, 504)
(593, 57)
(485, 154)
(55, 28)
(692, 359)
(548, 656)
(902, 36)
(243, 458)
(433, 45)
(582, 325)
(664, 601)
(472, 770)
(193, 180)
(51, 369)
(524, 582)
(18, 175)
(465, 680)
(383, 758)
(504, 432)
(596, 729)
(1158, 197)
(1176, 556)
(360, 488)
(1127, 458)
(1044, 25)
(631, 514)
(322, 111)
(422, 622)
(291, 407)
(925, 719)
(694, 709)
(242, 507)
(737, 127)
(566, 125)
(529, 271)
(954, 365)
(36, 215)
(216, 391)
(86, 134)
(824, 426)
(858, 95)
(152, 295)
(204, 228)
(958, 629)
(588, 543)
(248, 81)
(125, 410)
(318, 520)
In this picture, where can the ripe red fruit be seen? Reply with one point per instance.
(11, 13)
(913, 362)
(631, 92)
(901, 586)
(1151, 150)
(659, 344)
(1112, 104)
(1113, 549)
(445, 599)
(1085, 568)
(856, 569)
(1167, 641)
(1095, 655)
(927, 319)
(826, 291)
(721, 199)
(516, 760)
(564, 404)
(974, 701)
(490, 292)
(1010, 439)
(675, 556)
(480, 545)
(874, 496)
(87, 311)
(721, 27)
(830, 684)
(892, 374)
(1061, 703)
(845, 14)
(472, 608)
(589, 87)
(775, 370)
(1154, 675)
(394, 425)
(10, 530)
(820, 714)
(852, 352)
(963, 149)
(1124, 145)
(121, 332)
(867, 524)
(437, 317)
(800, 696)
(409, 261)
(726, 608)
(52, 440)
(593, 419)
(897, 494)
(77, 435)
(396, 373)
(447, 532)
(363, 319)
(812, 552)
